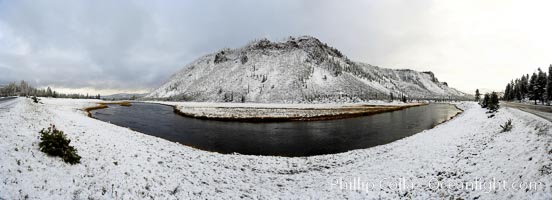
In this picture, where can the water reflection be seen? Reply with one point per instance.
(277, 138)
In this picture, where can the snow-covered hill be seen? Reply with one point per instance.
(296, 70)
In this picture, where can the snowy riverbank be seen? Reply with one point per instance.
(282, 112)
(123, 164)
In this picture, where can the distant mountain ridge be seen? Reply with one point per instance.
(301, 69)
(124, 96)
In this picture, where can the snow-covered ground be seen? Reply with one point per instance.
(118, 163)
(281, 111)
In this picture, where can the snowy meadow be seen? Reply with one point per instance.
(466, 157)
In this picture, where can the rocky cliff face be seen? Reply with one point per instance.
(296, 70)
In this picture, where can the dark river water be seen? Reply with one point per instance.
(299, 138)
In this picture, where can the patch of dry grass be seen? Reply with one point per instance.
(125, 103)
(100, 106)
(105, 105)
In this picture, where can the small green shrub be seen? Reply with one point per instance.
(507, 126)
(35, 99)
(55, 143)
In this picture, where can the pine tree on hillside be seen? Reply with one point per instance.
(512, 90)
(485, 102)
(549, 85)
(493, 102)
(517, 90)
(532, 88)
(541, 85)
(24, 88)
(524, 87)
(49, 92)
(507, 92)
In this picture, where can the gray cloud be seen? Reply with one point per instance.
(136, 45)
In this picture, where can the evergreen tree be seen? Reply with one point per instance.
(485, 102)
(512, 91)
(524, 87)
(49, 92)
(532, 88)
(517, 89)
(24, 88)
(507, 92)
(541, 85)
(549, 85)
(11, 89)
(493, 102)
(477, 95)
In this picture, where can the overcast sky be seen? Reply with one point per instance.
(114, 46)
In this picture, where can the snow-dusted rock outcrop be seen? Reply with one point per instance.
(299, 69)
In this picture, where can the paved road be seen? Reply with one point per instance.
(6, 98)
(6, 101)
(538, 110)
